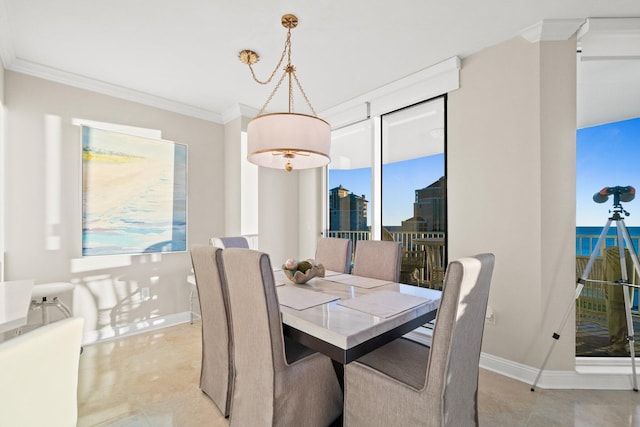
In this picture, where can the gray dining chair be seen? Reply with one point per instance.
(378, 259)
(229, 242)
(39, 375)
(272, 386)
(218, 242)
(216, 370)
(418, 385)
(334, 254)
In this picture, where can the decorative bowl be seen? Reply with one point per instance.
(299, 278)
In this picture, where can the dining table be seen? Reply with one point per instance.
(345, 316)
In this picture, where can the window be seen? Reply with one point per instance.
(401, 193)
(606, 156)
(414, 192)
(350, 182)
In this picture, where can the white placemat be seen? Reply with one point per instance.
(359, 281)
(300, 299)
(383, 303)
(328, 273)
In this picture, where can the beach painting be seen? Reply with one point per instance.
(134, 194)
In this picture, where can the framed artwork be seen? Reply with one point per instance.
(134, 194)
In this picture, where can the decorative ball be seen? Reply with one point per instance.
(303, 266)
(312, 261)
(291, 264)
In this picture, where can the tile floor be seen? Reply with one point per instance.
(151, 380)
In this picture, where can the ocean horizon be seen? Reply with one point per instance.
(587, 235)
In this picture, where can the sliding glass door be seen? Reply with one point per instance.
(414, 190)
(388, 175)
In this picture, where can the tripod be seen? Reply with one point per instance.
(622, 236)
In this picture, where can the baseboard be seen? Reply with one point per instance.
(110, 333)
(591, 373)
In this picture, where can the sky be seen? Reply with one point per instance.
(607, 156)
(400, 180)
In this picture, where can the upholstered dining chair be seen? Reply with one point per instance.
(378, 259)
(216, 372)
(218, 242)
(229, 242)
(39, 375)
(272, 386)
(418, 385)
(334, 254)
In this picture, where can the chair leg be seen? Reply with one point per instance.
(62, 307)
(44, 304)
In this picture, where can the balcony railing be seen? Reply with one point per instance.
(423, 262)
(586, 243)
(404, 237)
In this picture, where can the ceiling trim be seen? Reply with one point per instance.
(425, 84)
(239, 110)
(551, 30)
(609, 38)
(37, 70)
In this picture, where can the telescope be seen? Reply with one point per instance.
(620, 194)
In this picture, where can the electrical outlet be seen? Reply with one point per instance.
(144, 293)
(490, 316)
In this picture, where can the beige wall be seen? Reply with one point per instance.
(278, 198)
(511, 189)
(232, 177)
(44, 242)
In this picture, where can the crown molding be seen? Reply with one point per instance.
(238, 110)
(551, 30)
(610, 38)
(433, 81)
(47, 73)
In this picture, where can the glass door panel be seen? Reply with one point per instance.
(414, 195)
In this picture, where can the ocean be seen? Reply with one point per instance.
(586, 238)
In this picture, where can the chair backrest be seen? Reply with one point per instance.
(378, 259)
(39, 371)
(257, 331)
(452, 375)
(229, 242)
(334, 254)
(216, 374)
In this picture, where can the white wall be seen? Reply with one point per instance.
(278, 200)
(511, 190)
(107, 294)
(2, 133)
(310, 211)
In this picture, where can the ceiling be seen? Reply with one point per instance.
(183, 55)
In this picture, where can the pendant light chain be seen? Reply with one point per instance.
(305, 95)
(275, 89)
(287, 47)
(290, 70)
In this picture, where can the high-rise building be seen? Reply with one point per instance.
(347, 211)
(428, 209)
